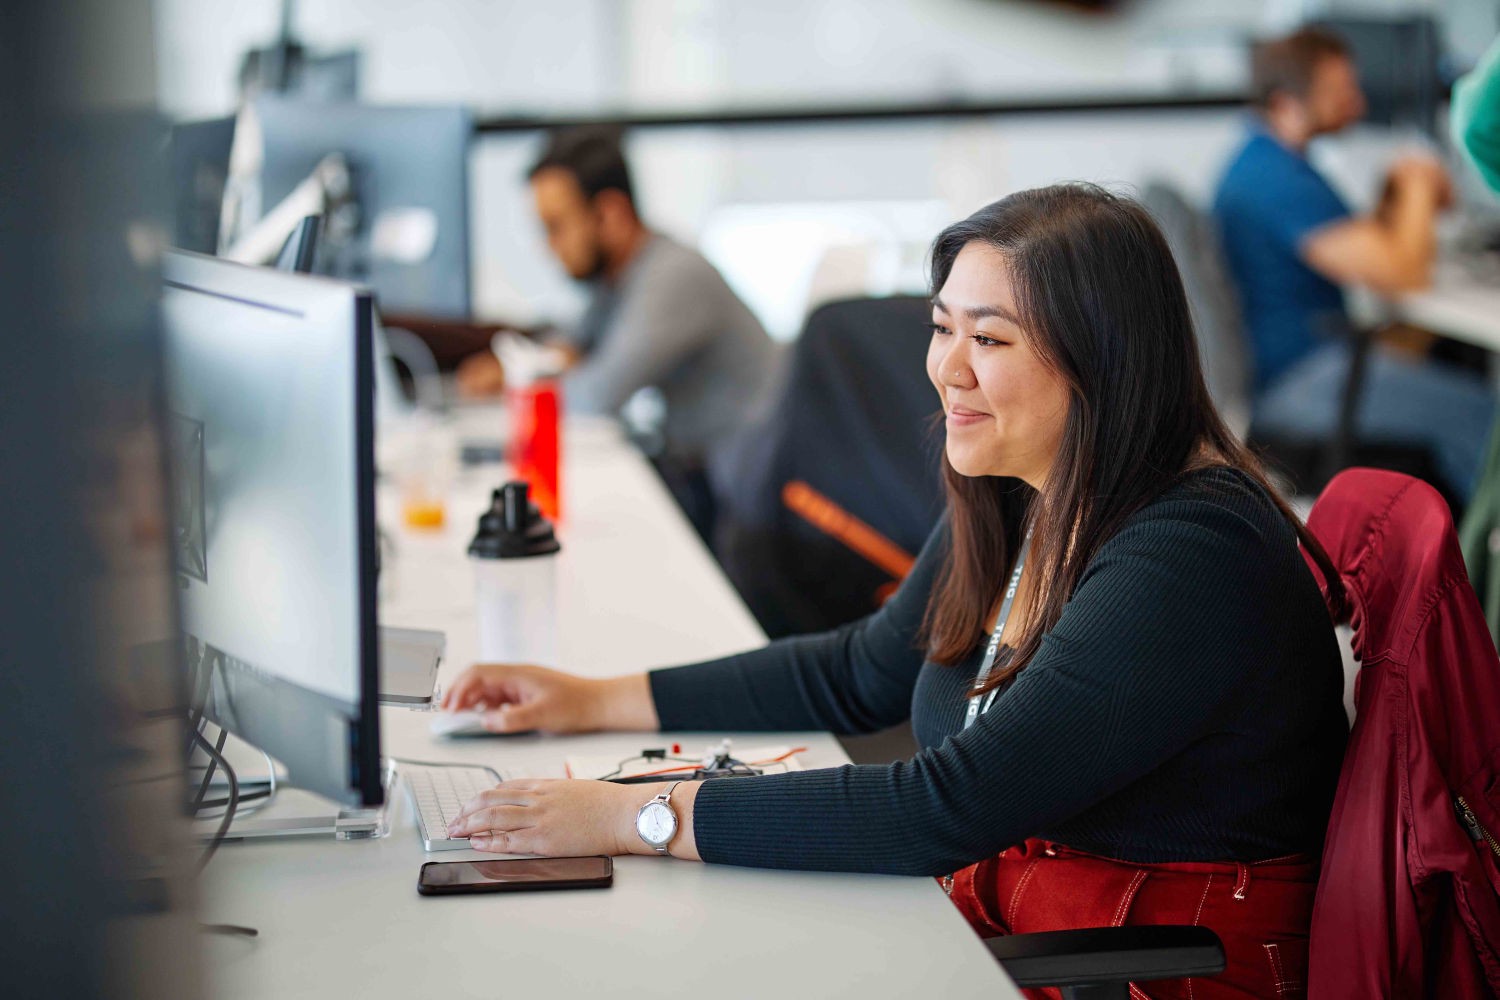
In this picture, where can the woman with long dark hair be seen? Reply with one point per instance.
(1118, 665)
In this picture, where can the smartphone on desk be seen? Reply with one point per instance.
(450, 878)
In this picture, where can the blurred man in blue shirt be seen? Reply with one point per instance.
(1292, 245)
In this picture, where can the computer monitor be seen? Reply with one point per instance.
(407, 236)
(270, 400)
(199, 157)
(1398, 61)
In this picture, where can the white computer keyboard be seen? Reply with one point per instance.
(437, 794)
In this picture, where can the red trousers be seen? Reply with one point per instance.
(1260, 911)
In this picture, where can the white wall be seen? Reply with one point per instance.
(588, 54)
(509, 56)
(494, 54)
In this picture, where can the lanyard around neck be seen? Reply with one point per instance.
(981, 702)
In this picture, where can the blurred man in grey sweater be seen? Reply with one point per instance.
(659, 316)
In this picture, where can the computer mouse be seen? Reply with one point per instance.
(469, 722)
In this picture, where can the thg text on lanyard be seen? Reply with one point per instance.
(982, 702)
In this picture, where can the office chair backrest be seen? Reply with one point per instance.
(1222, 343)
(1407, 902)
(1301, 461)
(851, 429)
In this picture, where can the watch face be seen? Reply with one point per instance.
(656, 823)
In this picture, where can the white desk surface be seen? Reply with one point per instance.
(1459, 305)
(637, 590)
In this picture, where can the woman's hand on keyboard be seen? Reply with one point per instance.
(571, 817)
(519, 698)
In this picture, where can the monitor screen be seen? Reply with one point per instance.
(271, 435)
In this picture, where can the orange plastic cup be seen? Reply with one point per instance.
(423, 513)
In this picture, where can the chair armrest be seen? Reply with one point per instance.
(1361, 341)
(1109, 955)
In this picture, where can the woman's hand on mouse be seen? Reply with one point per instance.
(519, 698)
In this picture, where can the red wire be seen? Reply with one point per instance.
(694, 767)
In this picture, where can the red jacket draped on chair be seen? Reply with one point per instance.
(1407, 902)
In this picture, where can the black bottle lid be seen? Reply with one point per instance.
(513, 528)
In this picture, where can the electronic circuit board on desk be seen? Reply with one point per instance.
(671, 764)
(698, 775)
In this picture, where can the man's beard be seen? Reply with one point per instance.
(596, 267)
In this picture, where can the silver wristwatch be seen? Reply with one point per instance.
(657, 821)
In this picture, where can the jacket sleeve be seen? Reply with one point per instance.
(1148, 656)
(855, 679)
(1476, 115)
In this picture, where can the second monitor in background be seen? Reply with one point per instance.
(1399, 61)
(404, 229)
(199, 170)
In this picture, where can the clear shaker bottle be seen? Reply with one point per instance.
(515, 568)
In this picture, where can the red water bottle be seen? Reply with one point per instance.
(536, 444)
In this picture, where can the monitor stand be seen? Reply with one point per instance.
(295, 812)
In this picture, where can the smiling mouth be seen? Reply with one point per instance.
(964, 415)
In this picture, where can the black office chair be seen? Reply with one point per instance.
(1307, 462)
(1100, 963)
(823, 504)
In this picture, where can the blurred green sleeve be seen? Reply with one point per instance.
(1476, 115)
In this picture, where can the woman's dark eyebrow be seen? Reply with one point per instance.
(980, 312)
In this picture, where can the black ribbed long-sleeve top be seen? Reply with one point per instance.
(1185, 707)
